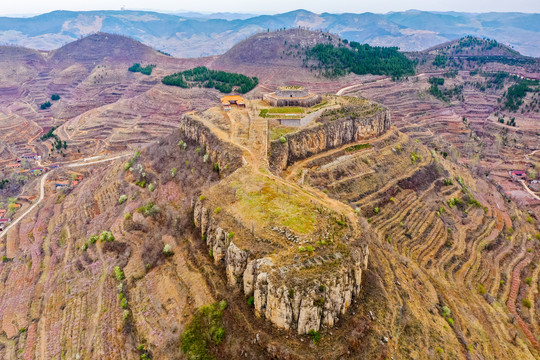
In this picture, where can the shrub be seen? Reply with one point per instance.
(453, 202)
(93, 239)
(527, 303)
(415, 157)
(106, 236)
(45, 105)
(122, 199)
(127, 216)
(481, 289)
(230, 235)
(123, 303)
(118, 273)
(376, 210)
(528, 281)
(204, 330)
(291, 293)
(218, 210)
(151, 187)
(315, 336)
(167, 250)
(251, 301)
(450, 321)
(55, 97)
(149, 209)
(174, 171)
(446, 311)
(283, 139)
(206, 157)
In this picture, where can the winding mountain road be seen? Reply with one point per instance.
(41, 196)
(529, 190)
(84, 162)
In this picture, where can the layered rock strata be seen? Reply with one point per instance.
(291, 296)
(227, 156)
(325, 136)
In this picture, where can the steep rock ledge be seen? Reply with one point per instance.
(300, 295)
(325, 136)
(227, 156)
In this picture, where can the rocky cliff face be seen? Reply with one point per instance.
(327, 135)
(288, 296)
(227, 156)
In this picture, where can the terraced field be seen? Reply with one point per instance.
(474, 256)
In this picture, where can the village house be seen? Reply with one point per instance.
(61, 185)
(518, 175)
(226, 101)
(13, 166)
(32, 156)
(41, 169)
(4, 223)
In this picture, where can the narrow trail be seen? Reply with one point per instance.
(256, 157)
(346, 89)
(511, 303)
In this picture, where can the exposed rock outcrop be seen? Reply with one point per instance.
(327, 135)
(227, 156)
(290, 299)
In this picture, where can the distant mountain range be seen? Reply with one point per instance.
(194, 35)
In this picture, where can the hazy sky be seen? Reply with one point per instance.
(18, 7)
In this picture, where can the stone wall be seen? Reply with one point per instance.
(292, 93)
(278, 101)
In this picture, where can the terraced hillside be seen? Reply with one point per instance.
(231, 237)
(448, 232)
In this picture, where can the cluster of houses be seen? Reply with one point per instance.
(5, 220)
(17, 166)
(518, 175)
(64, 184)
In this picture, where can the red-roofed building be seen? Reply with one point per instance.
(518, 175)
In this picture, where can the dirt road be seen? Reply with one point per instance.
(41, 196)
(84, 162)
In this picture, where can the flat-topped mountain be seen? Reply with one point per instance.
(350, 202)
